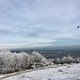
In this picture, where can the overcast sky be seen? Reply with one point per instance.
(38, 23)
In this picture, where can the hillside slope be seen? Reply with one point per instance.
(68, 72)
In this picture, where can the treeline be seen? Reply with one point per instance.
(49, 54)
(12, 62)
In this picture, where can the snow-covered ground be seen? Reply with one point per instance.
(68, 72)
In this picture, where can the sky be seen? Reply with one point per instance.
(39, 23)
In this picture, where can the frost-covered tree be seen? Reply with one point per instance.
(57, 61)
(24, 60)
(67, 59)
(37, 59)
(11, 62)
(5, 59)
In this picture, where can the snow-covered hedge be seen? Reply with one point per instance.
(66, 59)
(11, 62)
(69, 59)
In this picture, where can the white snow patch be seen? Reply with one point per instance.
(68, 72)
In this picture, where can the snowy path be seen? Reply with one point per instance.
(69, 72)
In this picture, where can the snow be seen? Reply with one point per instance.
(1, 76)
(66, 72)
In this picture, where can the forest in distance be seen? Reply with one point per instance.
(55, 53)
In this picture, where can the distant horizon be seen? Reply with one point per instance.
(46, 47)
(39, 23)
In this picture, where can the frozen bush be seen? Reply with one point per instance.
(56, 61)
(37, 59)
(67, 59)
(11, 62)
(78, 60)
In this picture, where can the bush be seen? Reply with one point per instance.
(57, 61)
(37, 59)
(12, 62)
(67, 59)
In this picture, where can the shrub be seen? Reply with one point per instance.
(67, 59)
(57, 61)
(12, 62)
(37, 59)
